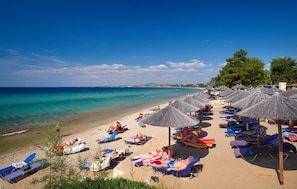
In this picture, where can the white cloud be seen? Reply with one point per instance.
(187, 65)
(56, 71)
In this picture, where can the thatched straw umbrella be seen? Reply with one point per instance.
(239, 86)
(293, 97)
(201, 98)
(184, 106)
(278, 108)
(237, 97)
(193, 102)
(289, 93)
(273, 90)
(169, 117)
(252, 99)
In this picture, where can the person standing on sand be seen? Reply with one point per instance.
(57, 127)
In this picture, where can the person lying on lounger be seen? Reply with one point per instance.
(117, 128)
(174, 165)
(137, 138)
(152, 155)
(191, 138)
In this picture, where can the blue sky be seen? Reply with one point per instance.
(129, 42)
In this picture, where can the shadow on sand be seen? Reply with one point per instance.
(180, 151)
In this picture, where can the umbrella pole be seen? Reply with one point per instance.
(281, 153)
(169, 131)
(258, 133)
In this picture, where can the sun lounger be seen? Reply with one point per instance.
(143, 141)
(98, 165)
(24, 171)
(291, 136)
(18, 165)
(266, 150)
(190, 172)
(112, 137)
(202, 143)
(119, 153)
(252, 133)
(140, 123)
(71, 149)
(243, 143)
(121, 130)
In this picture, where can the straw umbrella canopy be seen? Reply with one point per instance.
(289, 93)
(237, 97)
(279, 108)
(239, 86)
(169, 117)
(184, 106)
(202, 97)
(252, 99)
(293, 97)
(273, 90)
(193, 101)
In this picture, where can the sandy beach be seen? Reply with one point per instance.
(219, 167)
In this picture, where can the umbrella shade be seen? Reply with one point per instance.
(184, 106)
(279, 108)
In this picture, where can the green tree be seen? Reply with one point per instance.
(283, 70)
(241, 70)
(253, 72)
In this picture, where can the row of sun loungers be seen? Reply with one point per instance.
(17, 171)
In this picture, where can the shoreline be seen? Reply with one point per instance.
(21, 138)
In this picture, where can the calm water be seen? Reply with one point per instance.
(37, 106)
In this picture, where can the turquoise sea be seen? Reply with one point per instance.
(38, 106)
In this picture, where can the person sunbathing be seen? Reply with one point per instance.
(151, 156)
(137, 138)
(156, 108)
(118, 127)
(140, 116)
(174, 165)
(60, 147)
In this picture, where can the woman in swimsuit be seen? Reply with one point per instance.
(152, 156)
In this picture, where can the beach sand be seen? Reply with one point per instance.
(219, 167)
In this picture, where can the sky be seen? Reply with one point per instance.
(86, 43)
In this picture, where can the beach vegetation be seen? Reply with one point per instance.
(60, 171)
(107, 183)
(62, 174)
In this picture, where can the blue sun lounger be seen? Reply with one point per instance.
(15, 166)
(189, 172)
(140, 123)
(112, 137)
(24, 171)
